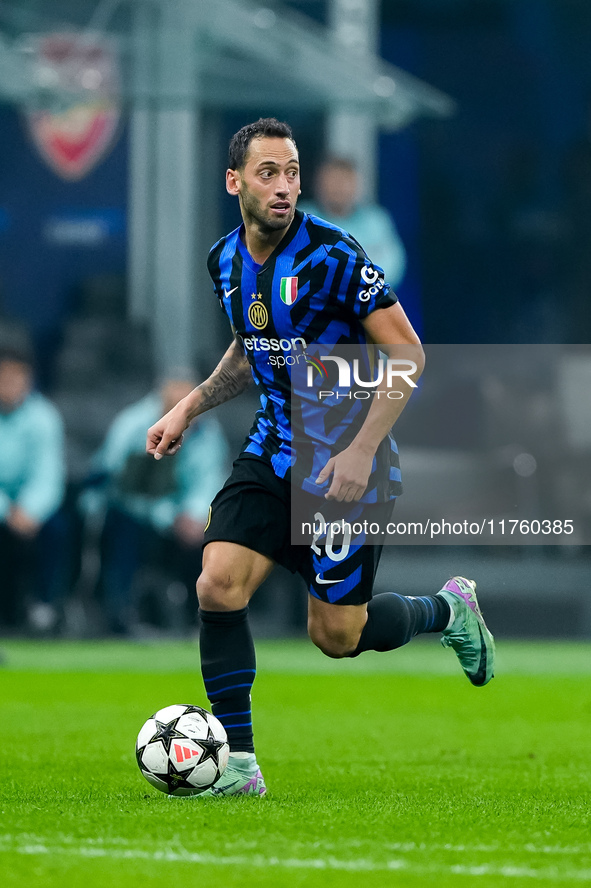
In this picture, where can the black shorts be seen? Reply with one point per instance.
(253, 509)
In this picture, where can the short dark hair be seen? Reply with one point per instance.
(264, 126)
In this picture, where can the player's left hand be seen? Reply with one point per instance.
(350, 472)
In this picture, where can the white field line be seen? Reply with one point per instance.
(528, 848)
(115, 849)
(185, 856)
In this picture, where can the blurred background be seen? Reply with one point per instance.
(461, 133)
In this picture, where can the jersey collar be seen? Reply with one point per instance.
(281, 246)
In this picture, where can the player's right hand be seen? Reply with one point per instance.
(166, 436)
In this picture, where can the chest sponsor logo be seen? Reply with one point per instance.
(292, 351)
(257, 312)
(288, 290)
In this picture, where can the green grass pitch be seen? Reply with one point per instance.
(390, 770)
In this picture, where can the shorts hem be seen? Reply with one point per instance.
(228, 539)
(342, 602)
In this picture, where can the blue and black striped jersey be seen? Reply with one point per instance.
(315, 288)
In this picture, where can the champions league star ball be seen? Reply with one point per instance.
(182, 750)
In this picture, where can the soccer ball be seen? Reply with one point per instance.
(182, 750)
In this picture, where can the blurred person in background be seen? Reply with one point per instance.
(153, 512)
(336, 199)
(33, 529)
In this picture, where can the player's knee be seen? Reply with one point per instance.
(219, 592)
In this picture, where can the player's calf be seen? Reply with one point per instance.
(335, 629)
(393, 620)
(336, 646)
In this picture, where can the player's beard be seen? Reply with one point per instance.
(252, 208)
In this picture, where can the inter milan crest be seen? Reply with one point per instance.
(85, 74)
(257, 312)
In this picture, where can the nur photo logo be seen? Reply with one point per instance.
(350, 382)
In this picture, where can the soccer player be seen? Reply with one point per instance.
(288, 280)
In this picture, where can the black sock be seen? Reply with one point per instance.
(392, 620)
(228, 665)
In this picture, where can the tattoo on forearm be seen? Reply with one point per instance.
(229, 379)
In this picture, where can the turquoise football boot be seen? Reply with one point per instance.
(467, 634)
(239, 778)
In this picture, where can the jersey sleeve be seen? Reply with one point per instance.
(213, 267)
(361, 286)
